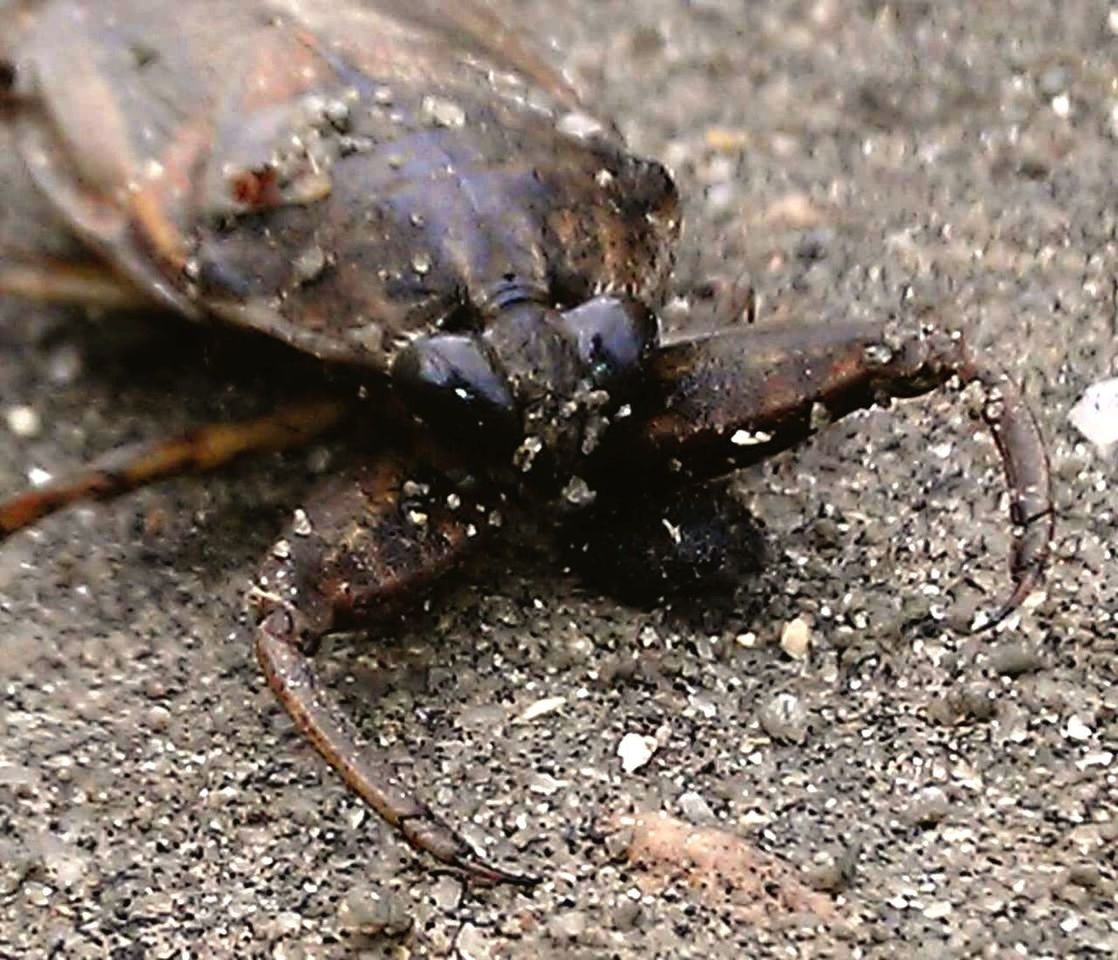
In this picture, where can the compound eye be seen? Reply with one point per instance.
(614, 335)
(453, 381)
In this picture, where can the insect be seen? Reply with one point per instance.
(409, 193)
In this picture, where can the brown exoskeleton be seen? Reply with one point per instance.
(405, 190)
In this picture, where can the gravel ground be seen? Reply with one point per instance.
(936, 794)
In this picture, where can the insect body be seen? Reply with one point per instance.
(408, 192)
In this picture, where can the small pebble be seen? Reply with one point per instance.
(784, 717)
(447, 893)
(286, 923)
(795, 638)
(635, 751)
(1015, 658)
(937, 910)
(567, 926)
(832, 869)
(23, 421)
(978, 702)
(541, 708)
(472, 944)
(1095, 415)
(546, 785)
(301, 525)
(1085, 875)
(695, 808)
(159, 718)
(930, 806)
(372, 911)
(37, 894)
(627, 914)
(1076, 729)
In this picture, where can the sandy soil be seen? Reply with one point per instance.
(904, 789)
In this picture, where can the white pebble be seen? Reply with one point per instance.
(635, 751)
(795, 638)
(301, 525)
(1101, 758)
(1095, 415)
(546, 785)
(23, 421)
(1076, 729)
(746, 438)
(541, 708)
(937, 910)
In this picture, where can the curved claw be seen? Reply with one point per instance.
(934, 357)
(1025, 461)
(291, 675)
(430, 833)
(735, 398)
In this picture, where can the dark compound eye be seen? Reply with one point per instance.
(452, 381)
(614, 335)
